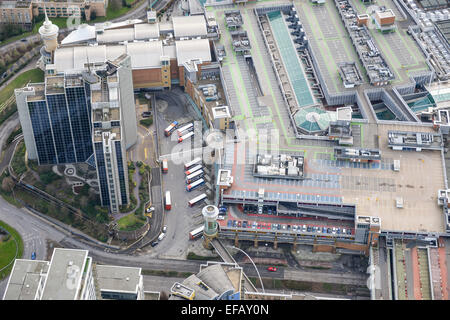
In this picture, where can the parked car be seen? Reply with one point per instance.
(154, 243)
(229, 223)
(161, 236)
(150, 209)
(164, 229)
(284, 227)
(304, 227)
(344, 231)
(329, 230)
(308, 228)
(239, 224)
(278, 226)
(244, 224)
(220, 217)
(235, 223)
(33, 255)
(294, 228)
(319, 229)
(272, 269)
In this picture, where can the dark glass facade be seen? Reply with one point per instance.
(79, 118)
(61, 127)
(122, 181)
(102, 179)
(62, 135)
(42, 132)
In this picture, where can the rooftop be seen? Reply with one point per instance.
(24, 280)
(64, 275)
(116, 278)
(193, 49)
(189, 26)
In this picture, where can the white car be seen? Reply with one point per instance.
(164, 229)
(221, 218)
(161, 236)
(150, 209)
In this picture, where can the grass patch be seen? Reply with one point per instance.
(164, 273)
(34, 75)
(147, 122)
(194, 256)
(18, 161)
(8, 249)
(130, 222)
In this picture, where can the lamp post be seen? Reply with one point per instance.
(262, 285)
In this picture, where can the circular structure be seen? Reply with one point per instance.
(210, 214)
(215, 139)
(69, 171)
(313, 120)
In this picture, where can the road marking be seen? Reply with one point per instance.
(145, 151)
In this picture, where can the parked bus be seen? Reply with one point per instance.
(195, 185)
(185, 129)
(165, 167)
(194, 234)
(168, 201)
(194, 176)
(192, 163)
(196, 200)
(168, 131)
(193, 169)
(186, 136)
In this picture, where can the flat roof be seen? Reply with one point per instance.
(116, 278)
(65, 274)
(142, 54)
(145, 54)
(24, 279)
(221, 112)
(189, 26)
(188, 50)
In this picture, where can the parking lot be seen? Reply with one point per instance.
(181, 219)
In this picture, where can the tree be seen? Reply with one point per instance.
(22, 47)
(15, 54)
(115, 5)
(93, 14)
(7, 184)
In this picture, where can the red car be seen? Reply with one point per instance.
(273, 269)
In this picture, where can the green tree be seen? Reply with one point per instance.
(115, 5)
(7, 184)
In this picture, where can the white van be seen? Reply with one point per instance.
(161, 236)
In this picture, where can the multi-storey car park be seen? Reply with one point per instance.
(355, 188)
(291, 86)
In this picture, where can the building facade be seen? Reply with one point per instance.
(16, 12)
(55, 118)
(109, 104)
(72, 275)
(78, 9)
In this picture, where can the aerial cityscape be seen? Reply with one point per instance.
(224, 150)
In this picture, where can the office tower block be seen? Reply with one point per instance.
(55, 119)
(109, 132)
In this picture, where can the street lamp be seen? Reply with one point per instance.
(262, 285)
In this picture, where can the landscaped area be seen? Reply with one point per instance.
(11, 247)
(131, 222)
(8, 109)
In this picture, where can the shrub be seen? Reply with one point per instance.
(146, 122)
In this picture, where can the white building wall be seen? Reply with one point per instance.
(25, 121)
(128, 109)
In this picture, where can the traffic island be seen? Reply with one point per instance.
(11, 248)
